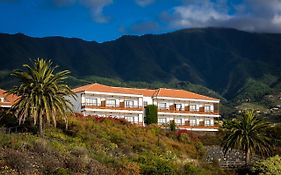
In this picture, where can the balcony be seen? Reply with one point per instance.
(173, 109)
(199, 126)
(120, 106)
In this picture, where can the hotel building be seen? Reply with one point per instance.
(189, 110)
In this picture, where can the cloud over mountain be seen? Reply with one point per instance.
(249, 15)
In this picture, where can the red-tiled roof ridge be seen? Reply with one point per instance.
(163, 92)
(156, 92)
(105, 88)
(160, 92)
(8, 97)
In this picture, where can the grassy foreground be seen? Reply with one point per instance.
(102, 146)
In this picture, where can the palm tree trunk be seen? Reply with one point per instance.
(40, 124)
(247, 160)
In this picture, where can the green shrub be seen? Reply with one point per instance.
(151, 114)
(191, 169)
(154, 164)
(184, 138)
(200, 149)
(76, 164)
(270, 166)
(62, 171)
(158, 167)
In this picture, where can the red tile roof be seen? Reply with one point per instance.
(104, 88)
(8, 99)
(177, 93)
(162, 92)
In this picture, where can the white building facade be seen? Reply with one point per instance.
(190, 111)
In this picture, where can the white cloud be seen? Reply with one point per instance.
(96, 7)
(144, 3)
(249, 15)
(198, 14)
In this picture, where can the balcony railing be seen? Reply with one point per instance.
(120, 106)
(187, 110)
(199, 126)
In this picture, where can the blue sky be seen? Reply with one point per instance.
(104, 20)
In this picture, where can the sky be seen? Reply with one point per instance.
(105, 20)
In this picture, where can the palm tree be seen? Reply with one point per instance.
(42, 94)
(247, 133)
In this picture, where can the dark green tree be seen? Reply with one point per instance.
(151, 114)
(42, 94)
(172, 125)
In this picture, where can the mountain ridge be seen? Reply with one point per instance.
(221, 59)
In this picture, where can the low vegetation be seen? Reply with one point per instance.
(94, 145)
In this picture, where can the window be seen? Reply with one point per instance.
(1, 99)
(145, 103)
(161, 120)
(178, 106)
(129, 119)
(208, 108)
(136, 119)
(91, 101)
(129, 103)
(207, 122)
(193, 122)
(178, 121)
(193, 108)
(111, 102)
(162, 105)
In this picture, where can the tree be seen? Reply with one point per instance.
(173, 126)
(42, 94)
(247, 133)
(151, 114)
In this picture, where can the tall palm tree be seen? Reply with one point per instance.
(42, 94)
(247, 133)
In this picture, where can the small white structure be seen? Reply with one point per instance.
(189, 110)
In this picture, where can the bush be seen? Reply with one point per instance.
(153, 164)
(159, 167)
(200, 149)
(184, 138)
(270, 166)
(96, 168)
(191, 169)
(76, 164)
(18, 161)
(61, 171)
(51, 164)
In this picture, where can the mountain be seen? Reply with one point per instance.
(227, 61)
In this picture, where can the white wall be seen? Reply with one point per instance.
(148, 100)
(75, 102)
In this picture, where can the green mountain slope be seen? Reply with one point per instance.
(223, 60)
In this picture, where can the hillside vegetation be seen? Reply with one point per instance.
(95, 145)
